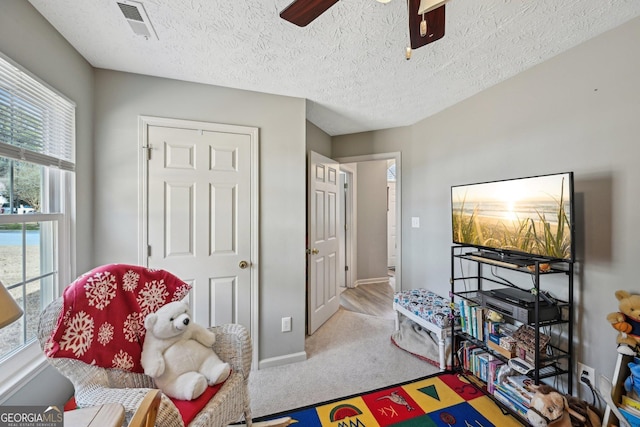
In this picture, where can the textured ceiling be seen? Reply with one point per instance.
(348, 64)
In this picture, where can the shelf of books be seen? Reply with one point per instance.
(509, 350)
(630, 409)
(501, 338)
(511, 393)
(485, 359)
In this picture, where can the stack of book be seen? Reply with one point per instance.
(494, 366)
(471, 319)
(496, 335)
(515, 393)
(630, 408)
(480, 363)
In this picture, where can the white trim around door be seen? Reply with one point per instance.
(144, 124)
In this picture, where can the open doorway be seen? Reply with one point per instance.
(355, 238)
(358, 251)
(347, 227)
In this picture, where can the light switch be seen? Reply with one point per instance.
(415, 222)
(286, 324)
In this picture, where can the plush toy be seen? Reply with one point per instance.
(177, 353)
(627, 322)
(632, 383)
(550, 408)
(494, 316)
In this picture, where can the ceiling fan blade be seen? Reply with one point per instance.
(302, 12)
(435, 24)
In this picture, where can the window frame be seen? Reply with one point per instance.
(24, 363)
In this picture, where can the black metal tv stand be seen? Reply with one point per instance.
(473, 274)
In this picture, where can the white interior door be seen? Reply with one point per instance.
(202, 217)
(324, 200)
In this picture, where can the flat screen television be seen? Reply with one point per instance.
(525, 216)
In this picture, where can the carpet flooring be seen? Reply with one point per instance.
(351, 353)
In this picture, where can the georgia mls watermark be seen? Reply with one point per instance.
(31, 416)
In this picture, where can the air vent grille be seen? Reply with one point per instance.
(137, 18)
(130, 12)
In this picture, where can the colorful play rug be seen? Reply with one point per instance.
(445, 400)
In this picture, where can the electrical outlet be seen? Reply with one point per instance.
(587, 372)
(286, 324)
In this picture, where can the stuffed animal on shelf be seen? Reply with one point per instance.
(177, 353)
(627, 322)
(632, 383)
(551, 408)
(494, 316)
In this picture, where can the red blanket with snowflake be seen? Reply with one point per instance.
(102, 321)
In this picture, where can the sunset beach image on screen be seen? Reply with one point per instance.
(531, 216)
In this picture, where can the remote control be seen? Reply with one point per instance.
(520, 365)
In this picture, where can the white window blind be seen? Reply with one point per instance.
(37, 124)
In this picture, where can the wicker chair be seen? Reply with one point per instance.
(95, 385)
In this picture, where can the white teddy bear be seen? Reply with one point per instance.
(177, 353)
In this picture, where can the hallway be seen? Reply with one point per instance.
(374, 299)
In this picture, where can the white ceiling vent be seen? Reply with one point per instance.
(137, 18)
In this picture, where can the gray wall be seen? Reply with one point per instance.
(29, 40)
(318, 140)
(122, 97)
(576, 112)
(371, 181)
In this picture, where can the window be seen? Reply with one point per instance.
(37, 137)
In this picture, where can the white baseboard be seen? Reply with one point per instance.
(282, 360)
(384, 279)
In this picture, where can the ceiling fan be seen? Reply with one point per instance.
(426, 17)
